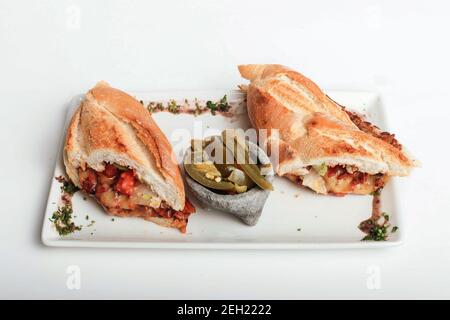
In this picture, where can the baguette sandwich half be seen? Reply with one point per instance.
(115, 152)
(321, 144)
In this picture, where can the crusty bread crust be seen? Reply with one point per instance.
(293, 90)
(313, 129)
(112, 126)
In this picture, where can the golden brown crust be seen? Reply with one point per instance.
(132, 112)
(70, 141)
(266, 113)
(312, 127)
(111, 123)
(286, 85)
(332, 138)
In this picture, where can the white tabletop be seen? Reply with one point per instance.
(52, 50)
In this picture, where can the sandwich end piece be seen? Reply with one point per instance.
(251, 71)
(111, 127)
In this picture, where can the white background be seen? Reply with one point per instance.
(52, 50)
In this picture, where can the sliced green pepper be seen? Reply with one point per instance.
(241, 152)
(200, 178)
(224, 169)
(253, 172)
(241, 178)
(207, 168)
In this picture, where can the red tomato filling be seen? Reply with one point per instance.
(339, 180)
(117, 190)
(126, 182)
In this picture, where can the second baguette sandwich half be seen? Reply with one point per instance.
(322, 145)
(115, 152)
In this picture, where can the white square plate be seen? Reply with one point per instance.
(293, 217)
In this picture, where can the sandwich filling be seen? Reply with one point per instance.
(339, 180)
(119, 190)
(343, 179)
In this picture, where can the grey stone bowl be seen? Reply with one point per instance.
(247, 206)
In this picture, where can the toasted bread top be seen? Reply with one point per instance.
(111, 126)
(313, 129)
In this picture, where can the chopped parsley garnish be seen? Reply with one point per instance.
(375, 230)
(159, 106)
(155, 106)
(67, 185)
(377, 233)
(221, 106)
(211, 106)
(151, 107)
(376, 192)
(198, 109)
(173, 107)
(62, 219)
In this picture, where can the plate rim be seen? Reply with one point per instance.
(221, 245)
